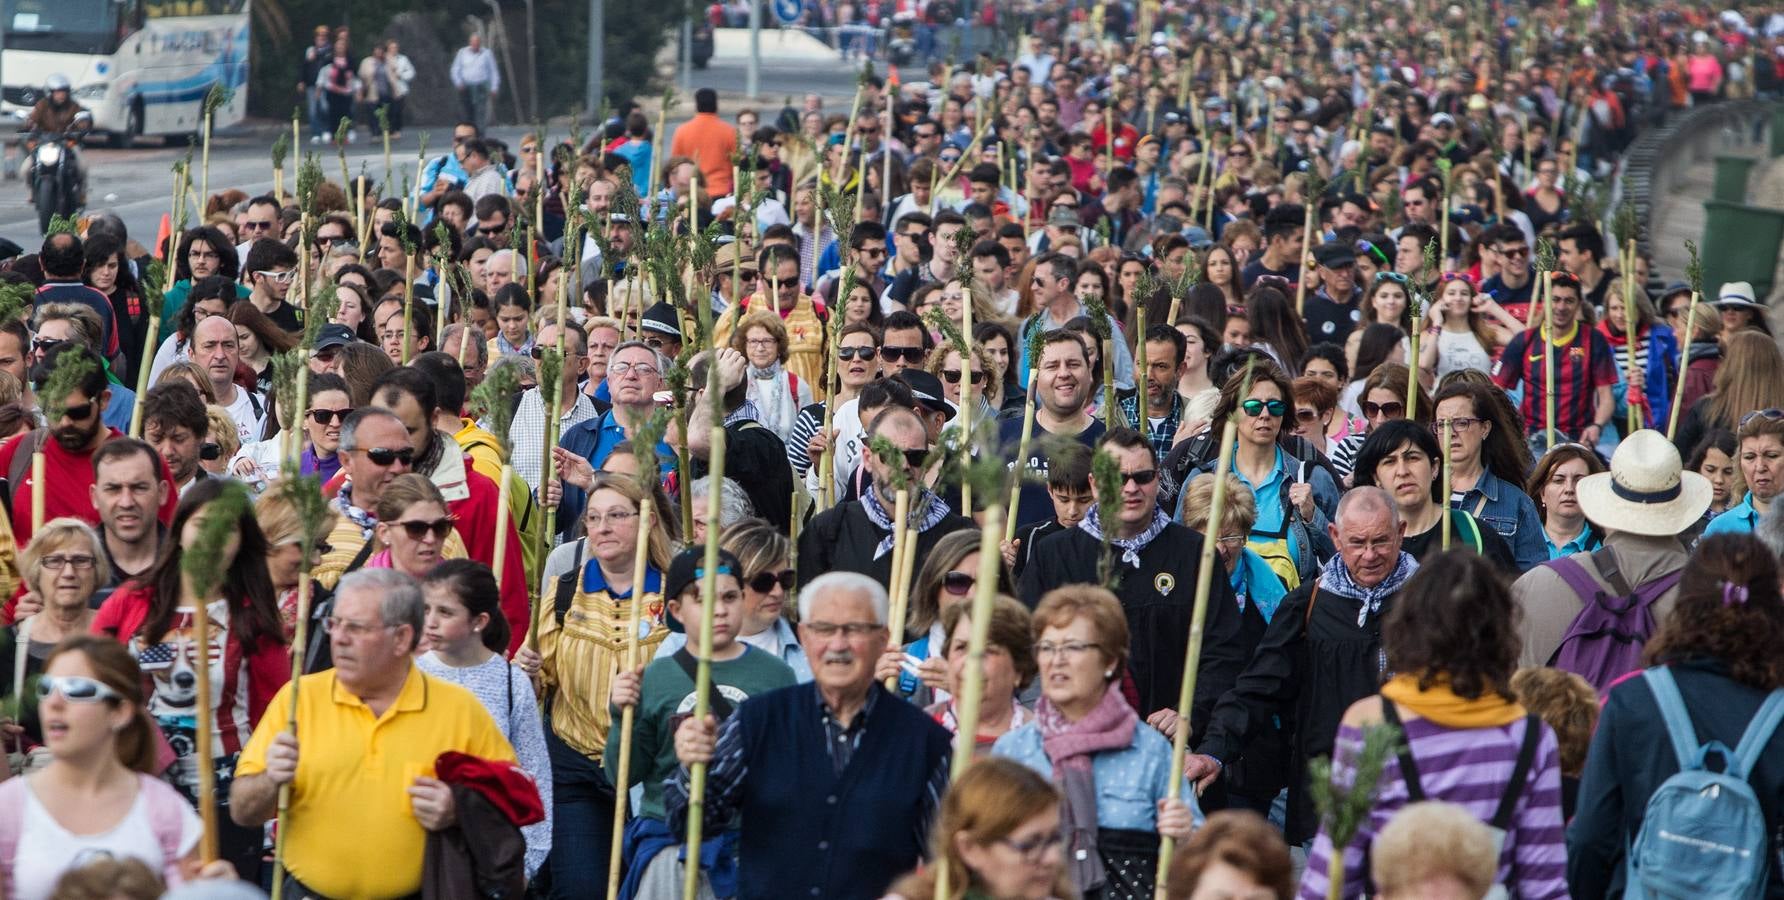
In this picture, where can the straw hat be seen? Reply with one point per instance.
(1646, 491)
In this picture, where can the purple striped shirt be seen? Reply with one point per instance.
(1469, 767)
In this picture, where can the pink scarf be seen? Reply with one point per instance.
(1070, 745)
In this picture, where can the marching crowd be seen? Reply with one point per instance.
(1330, 303)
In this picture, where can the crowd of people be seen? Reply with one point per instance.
(1324, 298)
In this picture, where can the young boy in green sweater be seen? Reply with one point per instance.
(663, 693)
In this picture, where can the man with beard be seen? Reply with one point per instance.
(1165, 351)
(471, 497)
(68, 458)
(856, 535)
(174, 424)
(1153, 573)
(1063, 393)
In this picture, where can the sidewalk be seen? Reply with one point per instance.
(1679, 215)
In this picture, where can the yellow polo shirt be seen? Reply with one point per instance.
(351, 831)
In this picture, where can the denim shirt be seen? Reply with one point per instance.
(1513, 514)
(1129, 782)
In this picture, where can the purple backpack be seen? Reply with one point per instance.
(1604, 642)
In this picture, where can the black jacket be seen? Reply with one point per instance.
(1632, 754)
(842, 539)
(1159, 599)
(1311, 665)
(756, 459)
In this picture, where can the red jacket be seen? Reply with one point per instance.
(72, 475)
(265, 667)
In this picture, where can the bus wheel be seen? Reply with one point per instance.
(125, 139)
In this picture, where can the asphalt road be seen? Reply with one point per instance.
(137, 184)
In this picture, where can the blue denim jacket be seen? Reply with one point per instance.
(1513, 514)
(1129, 782)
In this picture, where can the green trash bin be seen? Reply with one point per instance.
(1778, 130)
(1732, 174)
(1740, 243)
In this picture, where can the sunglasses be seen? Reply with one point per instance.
(916, 459)
(958, 584)
(1392, 409)
(1255, 408)
(384, 456)
(1448, 277)
(893, 354)
(1773, 414)
(952, 376)
(325, 416)
(210, 451)
(1142, 477)
(765, 581)
(75, 689)
(416, 530)
(862, 353)
(1515, 252)
(79, 412)
(1395, 277)
(1307, 415)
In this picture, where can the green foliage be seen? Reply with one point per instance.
(492, 401)
(319, 307)
(839, 206)
(281, 149)
(1099, 316)
(304, 492)
(1343, 808)
(309, 178)
(286, 368)
(66, 377)
(551, 368)
(964, 238)
(1694, 268)
(204, 562)
(892, 457)
(63, 225)
(152, 284)
(1105, 476)
(404, 233)
(951, 336)
(1625, 224)
(382, 114)
(1545, 255)
(219, 95)
(649, 433)
(17, 296)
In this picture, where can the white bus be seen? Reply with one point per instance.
(142, 67)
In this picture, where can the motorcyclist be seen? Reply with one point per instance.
(56, 112)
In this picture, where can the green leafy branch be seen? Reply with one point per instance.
(309, 179)
(950, 332)
(1343, 808)
(1105, 476)
(71, 369)
(1693, 267)
(492, 401)
(60, 224)
(218, 96)
(281, 149)
(205, 562)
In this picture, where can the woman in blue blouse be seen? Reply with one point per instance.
(1487, 465)
(1113, 769)
(1554, 485)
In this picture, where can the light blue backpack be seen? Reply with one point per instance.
(1703, 833)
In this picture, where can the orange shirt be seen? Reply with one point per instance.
(709, 142)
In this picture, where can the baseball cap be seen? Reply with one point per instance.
(1062, 216)
(1334, 255)
(687, 569)
(1443, 119)
(334, 335)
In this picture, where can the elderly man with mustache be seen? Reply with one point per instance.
(834, 782)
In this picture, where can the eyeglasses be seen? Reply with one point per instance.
(916, 459)
(1068, 649)
(1255, 408)
(78, 412)
(1034, 848)
(277, 277)
(75, 689)
(952, 376)
(892, 354)
(1455, 424)
(417, 529)
(1307, 415)
(765, 581)
(327, 240)
(615, 518)
(950, 160)
(1773, 413)
(332, 624)
(1393, 409)
(642, 370)
(1230, 540)
(80, 562)
(852, 630)
(384, 456)
(958, 584)
(251, 225)
(861, 353)
(325, 416)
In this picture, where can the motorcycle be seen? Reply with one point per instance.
(56, 175)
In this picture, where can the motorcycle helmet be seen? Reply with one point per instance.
(56, 83)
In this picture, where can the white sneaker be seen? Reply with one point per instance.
(315, 139)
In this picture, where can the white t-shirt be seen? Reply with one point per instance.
(46, 850)
(249, 414)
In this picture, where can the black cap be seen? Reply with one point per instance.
(1333, 255)
(334, 335)
(686, 569)
(927, 389)
(661, 318)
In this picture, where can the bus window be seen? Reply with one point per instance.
(63, 26)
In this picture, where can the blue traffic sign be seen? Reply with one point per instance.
(788, 11)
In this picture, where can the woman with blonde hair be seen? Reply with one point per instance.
(191, 374)
(282, 523)
(778, 394)
(998, 838)
(945, 365)
(947, 579)
(221, 441)
(1434, 851)
(1253, 580)
(415, 527)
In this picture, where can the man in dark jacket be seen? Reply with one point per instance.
(1321, 653)
(856, 535)
(1154, 572)
(755, 457)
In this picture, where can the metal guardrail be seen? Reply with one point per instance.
(1660, 155)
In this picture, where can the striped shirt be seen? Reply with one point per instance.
(1583, 363)
(1469, 767)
